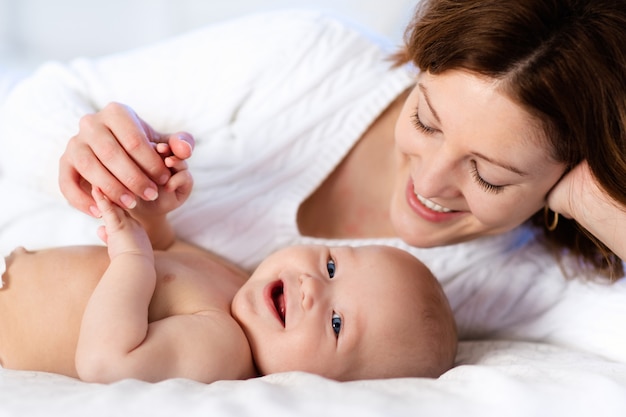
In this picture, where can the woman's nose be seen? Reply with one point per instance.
(434, 175)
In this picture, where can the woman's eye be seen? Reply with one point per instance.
(484, 184)
(421, 126)
(336, 323)
(330, 267)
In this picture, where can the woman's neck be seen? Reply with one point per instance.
(353, 202)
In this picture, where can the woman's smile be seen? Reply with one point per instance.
(432, 205)
(428, 209)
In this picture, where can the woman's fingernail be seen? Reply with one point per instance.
(150, 194)
(128, 201)
(163, 180)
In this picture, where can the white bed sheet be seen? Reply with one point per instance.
(492, 377)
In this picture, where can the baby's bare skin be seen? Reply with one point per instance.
(45, 293)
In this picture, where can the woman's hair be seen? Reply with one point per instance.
(564, 61)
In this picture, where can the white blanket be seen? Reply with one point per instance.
(492, 377)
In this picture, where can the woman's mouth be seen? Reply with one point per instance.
(428, 209)
(432, 205)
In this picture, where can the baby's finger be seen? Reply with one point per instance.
(181, 182)
(163, 148)
(175, 163)
(112, 214)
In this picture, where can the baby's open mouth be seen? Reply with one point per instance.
(278, 298)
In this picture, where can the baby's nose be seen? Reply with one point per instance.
(312, 289)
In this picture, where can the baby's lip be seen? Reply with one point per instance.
(275, 300)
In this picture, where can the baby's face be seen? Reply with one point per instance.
(328, 311)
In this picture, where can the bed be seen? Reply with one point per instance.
(491, 377)
(494, 375)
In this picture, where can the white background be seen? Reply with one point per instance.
(32, 31)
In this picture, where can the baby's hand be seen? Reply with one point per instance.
(120, 232)
(174, 192)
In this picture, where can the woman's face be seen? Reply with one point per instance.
(471, 162)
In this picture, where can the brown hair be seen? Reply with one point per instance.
(564, 61)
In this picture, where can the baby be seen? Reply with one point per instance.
(152, 307)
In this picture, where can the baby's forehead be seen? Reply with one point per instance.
(384, 348)
(393, 306)
(397, 263)
(391, 316)
(391, 253)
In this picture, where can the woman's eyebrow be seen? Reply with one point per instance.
(432, 110)
(502, 164)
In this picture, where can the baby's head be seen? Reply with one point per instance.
(347, 313)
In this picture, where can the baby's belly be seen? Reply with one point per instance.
(42, 303)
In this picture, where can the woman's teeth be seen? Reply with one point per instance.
(431, 205)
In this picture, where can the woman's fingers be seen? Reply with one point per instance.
(181, 144)
(114, 151)
(72, 186)
(80, 164)
(99, 155)
(123, 144)
(136, 138)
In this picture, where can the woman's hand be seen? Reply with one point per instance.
(560, 197)
(114, 152)
(578, 196)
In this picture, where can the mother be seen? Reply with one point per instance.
(305, 132)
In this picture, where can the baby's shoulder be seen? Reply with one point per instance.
(210, 343)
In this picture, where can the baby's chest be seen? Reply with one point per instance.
(184, 288)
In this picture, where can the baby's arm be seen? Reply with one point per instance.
(115, 320)
(152, 215)
(116, 340)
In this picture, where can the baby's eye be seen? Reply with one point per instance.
(335, 321)
(330, 267)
